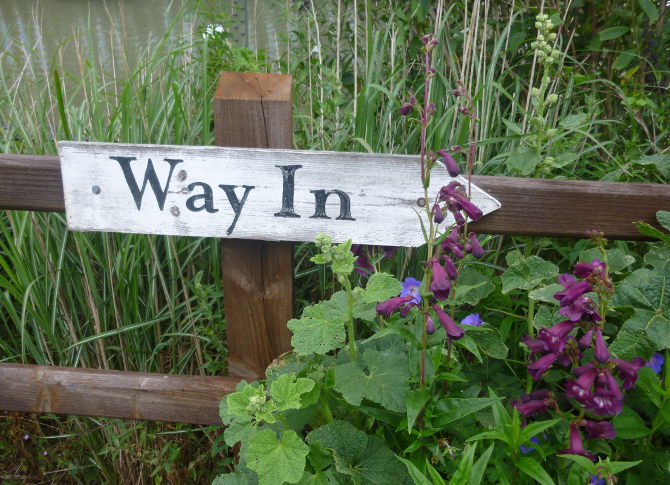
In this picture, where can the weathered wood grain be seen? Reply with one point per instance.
(533, 207)
(114, 394)
(31, 182)
(255, 110)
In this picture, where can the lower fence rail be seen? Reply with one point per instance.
(113, 394)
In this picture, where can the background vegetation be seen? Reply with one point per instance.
(143, 303)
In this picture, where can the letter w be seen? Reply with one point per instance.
(150, 177)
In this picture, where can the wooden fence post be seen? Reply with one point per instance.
(254, 110)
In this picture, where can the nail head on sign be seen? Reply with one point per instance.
(181, 175)
(421, 202)
(95, 189)
(174, 210)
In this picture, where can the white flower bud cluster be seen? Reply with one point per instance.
(545, 38)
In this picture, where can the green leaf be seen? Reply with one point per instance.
(480, 465)
(381, 377)
(251, 403)
(663, 218)
(366, 459)
(619, 466)
(489, 341)
(239, 477)
(238, 431)
(523, 161)
(650, 9)
(629, 425)
(612, 33)
(534, 470)
(380, 287)
(448, 409)
(414, 402)
(464, 470)
(573, 121)
(617, 259)
(533, 429)
(287, 390)
(546, 293)
(276, 461)
(318, 331)
(646, 291)
(472, 287)
(623, 59)
(527, 274)
(416, 474)
(584, 463)
(648, 230)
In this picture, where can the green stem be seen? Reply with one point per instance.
(350, 321)
(531, 332)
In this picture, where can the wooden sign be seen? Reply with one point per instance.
(243, 193)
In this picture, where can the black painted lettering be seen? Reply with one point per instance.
(321, 196)
(235, 203)
(207, 196)
(149, 177)
(288, 172)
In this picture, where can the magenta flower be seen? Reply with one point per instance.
(573, 289)
(449, 163)
(593, 270)
(576, 445)
(392, 304)
(439, 284)
(475, 248)
(581, 309)
(600, 351)
(438, 215)
(541, 365)
(599, 429)
(454, 332)
(411, 287)
(536, 402)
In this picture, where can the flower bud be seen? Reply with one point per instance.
(535, 92)
(552, 98)
(552, 36)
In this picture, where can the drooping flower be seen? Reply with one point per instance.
(411, 287)
(389, 306)
(454, 332)
(439, 283)
(656, 362)
(580, 389)
(628, 371)
(430, 326)
(581, 309)
(449, 265)
(541, 365)
(449, 163)
(593, 270)
(573, 289)
(599, 429)
(600, 351)
(576, 444)
(473, 319)
(475, 247)
(362, 263)
(536, 402)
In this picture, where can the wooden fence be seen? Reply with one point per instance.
(254, 110)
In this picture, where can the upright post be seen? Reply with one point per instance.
(255, 110)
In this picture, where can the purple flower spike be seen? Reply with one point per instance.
(473, 319)
(585, 341)
(572, 291)
(599, 429)
(449, 163)
(576, 445)
(656, 362)
(628, 370)
(475, 247)
(411, 287)
(389, 306)
(600, 351)
(454, 332)
(594, 269)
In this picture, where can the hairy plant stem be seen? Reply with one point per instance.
(350, 320)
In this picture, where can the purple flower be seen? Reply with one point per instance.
(600, 351)
(656, 362)
(527, 449)
(541, 365)
(26, 437)
(536, 402)
(607, 397)
(596, 481)
(628, 370)
(473, 319)
(449, 163)
(440, 284)
(581, 309)
(438, 215)
(362, 263)
(599, 429)
(430, 326)
(580, 389)
(392, 304)
(449, 265)
(411, 287)
(573, 289)
(576, 445)
(585, 341)
(594, 269)
(475, 247)
(454, 332)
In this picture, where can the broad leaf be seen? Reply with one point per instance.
(617, 259)
(450, 409)
(472, 287)
(380, 287)
(276, 461)
(287, 391)
(629, 425)
(523, 161)
(380, 376)
(527, 274)
(317, 331)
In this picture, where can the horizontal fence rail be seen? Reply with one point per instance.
(531, 207)
(113, 394)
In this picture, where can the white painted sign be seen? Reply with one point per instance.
(245, 193)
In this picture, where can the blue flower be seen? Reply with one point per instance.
(411, 287)
(527, 449)
(656, 362)
(596, 481)
(473, 319)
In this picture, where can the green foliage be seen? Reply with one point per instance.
(527, 273)
(276, 460)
